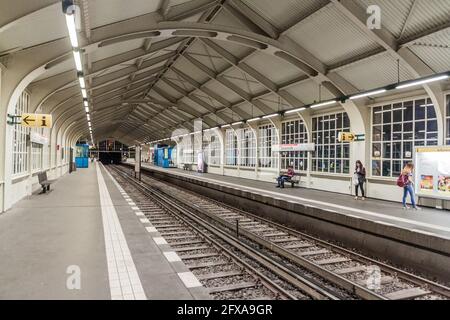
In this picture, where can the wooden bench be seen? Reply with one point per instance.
(187, 166)
(44, 182)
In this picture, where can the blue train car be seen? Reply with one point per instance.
(162, 156)
(82, 155)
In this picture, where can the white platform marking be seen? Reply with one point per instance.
(159, 240)
(144, 220)
(139, 213)
(171, 256)
(151, 229)
(121, 268)
(370, 213)
(135, 208)
(132, 203)
(189, 279)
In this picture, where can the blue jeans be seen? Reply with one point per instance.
(409, 189)
(281, 180)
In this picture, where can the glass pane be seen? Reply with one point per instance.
(339, 121)
(377, 115)
(346, 121)
(346, 151)
(346, 166)
(386, 168)
(431, 112)
(387, 136)
(407, 150)
(396, 167)
(432, 143)
(338, 164)
(397, 112)
(376, 134)
(420, 110)
(376, 150)
(407, 126)
(432, 126)
(376, 165)
(387, 117)
(397, 150)
(387, 150)
(408, 111)
(448, 128)
(419, 130)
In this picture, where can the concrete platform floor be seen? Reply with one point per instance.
(84, 229)
(427, 220)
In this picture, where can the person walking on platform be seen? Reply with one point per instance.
(405, 180)
(284, 177)
(359, 179)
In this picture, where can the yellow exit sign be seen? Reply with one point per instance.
(36, 120)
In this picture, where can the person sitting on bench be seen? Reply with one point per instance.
(285, 177)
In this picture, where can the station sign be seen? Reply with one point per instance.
(350, 137)
(293, 147)
(35, 120)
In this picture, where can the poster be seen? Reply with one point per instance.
(432, 172)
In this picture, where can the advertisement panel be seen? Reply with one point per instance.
(432, 177)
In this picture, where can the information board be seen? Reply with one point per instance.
(432, 172)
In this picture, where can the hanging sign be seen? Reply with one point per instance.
(36, 120)
(293, 147)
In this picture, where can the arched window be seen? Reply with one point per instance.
(20, 136)
(330, 156)
(294, 132)
(231, 148)
(267, 138)
(247, 144)
(396, 129)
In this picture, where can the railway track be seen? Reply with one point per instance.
(227, 268)
(358, 275)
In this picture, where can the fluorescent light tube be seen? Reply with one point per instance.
(84, 93)
(77, 57)
(254, 119)
(86, 109)
(370, 93)
(419, 82)
(82, 83)
(88, 117)
(70, 21)
(271, 116)
(321, 104)
(225, 126)
(86, 103)
(295, 110)
(236, 123)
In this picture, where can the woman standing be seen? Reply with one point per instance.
(408, 186)
(360, 173)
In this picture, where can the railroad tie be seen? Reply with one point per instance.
(405, 294)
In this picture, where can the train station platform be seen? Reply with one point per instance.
(380, 228)
(84, 240)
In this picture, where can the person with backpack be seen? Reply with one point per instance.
(359, 178)
(405, 181)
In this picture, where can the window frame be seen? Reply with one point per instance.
(402, 160)
(291, 137)
(343, 162)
